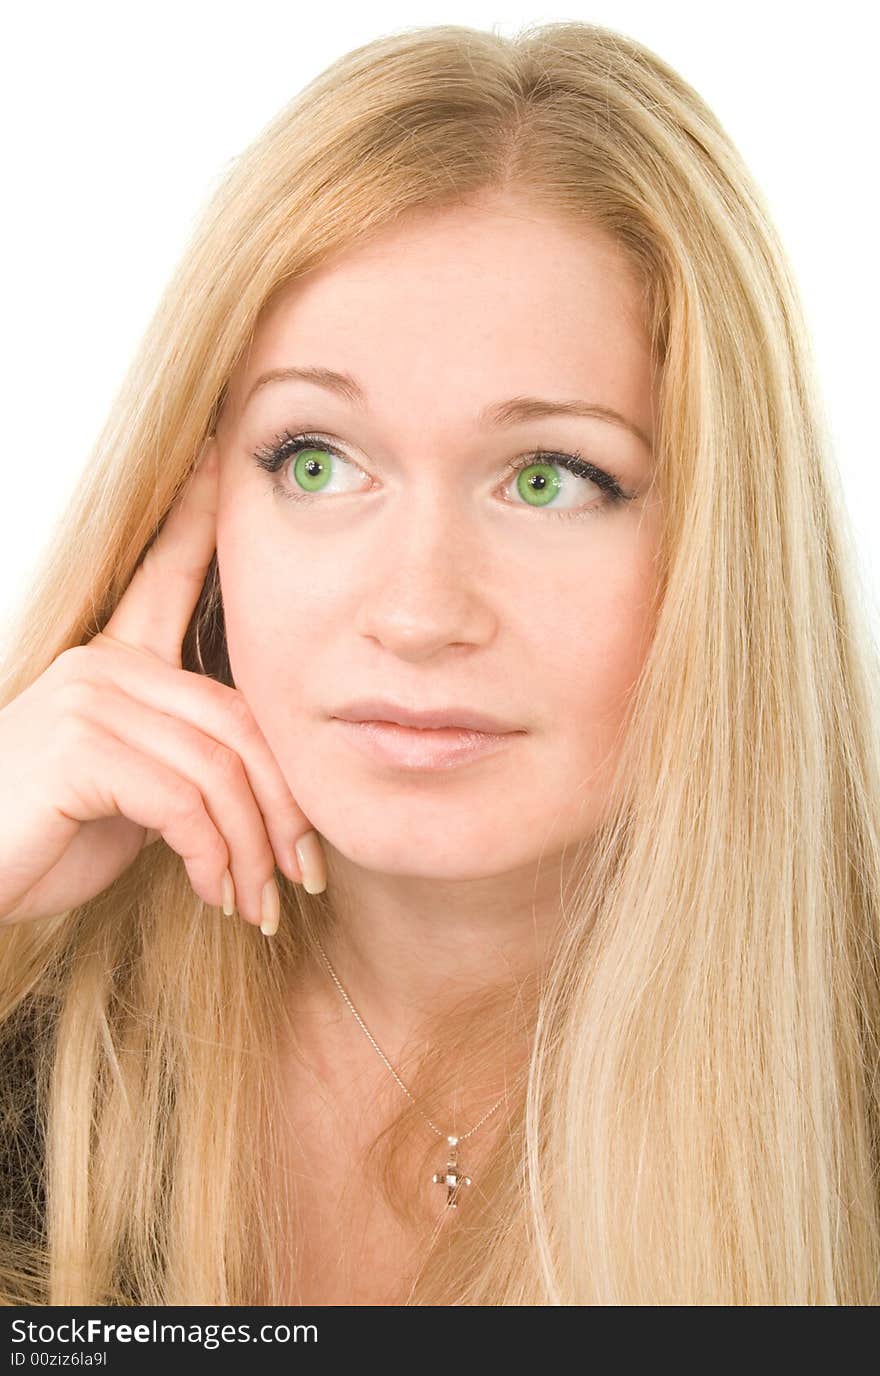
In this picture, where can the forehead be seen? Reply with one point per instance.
(490, 300)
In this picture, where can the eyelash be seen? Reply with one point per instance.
(287, 445)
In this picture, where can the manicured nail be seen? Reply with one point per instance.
(271, 909)
(228, 889)
(312, 862)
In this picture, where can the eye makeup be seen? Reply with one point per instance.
(286, 446)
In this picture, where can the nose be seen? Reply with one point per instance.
(430, 584)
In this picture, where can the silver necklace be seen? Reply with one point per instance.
(451, 1177)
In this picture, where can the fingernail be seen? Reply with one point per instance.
(228, 890)
(312, 862)
(271, 909)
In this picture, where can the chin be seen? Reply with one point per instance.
(404, 857)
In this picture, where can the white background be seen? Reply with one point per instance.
(120, 119)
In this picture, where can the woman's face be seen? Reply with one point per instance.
(408, 561)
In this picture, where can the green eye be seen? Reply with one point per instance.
(538, 483)
(545, 480)
(312, 469)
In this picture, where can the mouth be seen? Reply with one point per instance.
(457, 716)
(424, 747)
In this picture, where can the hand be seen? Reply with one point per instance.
(115, 745)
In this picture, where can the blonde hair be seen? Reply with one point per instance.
(699, 1120)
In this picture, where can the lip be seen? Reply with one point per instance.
(458, 718)
(423, 748)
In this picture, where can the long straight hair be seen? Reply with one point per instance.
(698, 1120)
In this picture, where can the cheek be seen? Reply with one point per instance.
(273, 614)
(586, 642)
(275, 589)
(592, 649)
(272, 605)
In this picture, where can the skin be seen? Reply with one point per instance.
(431, 580)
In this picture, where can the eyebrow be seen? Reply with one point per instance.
(497, 414)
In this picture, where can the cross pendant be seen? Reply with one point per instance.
(450, 1177)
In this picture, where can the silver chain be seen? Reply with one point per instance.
(379, 1050)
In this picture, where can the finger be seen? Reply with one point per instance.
(213, 767)
(157, 606)
(127, 783)
(216, 710)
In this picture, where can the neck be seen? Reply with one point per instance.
(407, 949)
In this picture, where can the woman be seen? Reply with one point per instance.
(483, 390)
